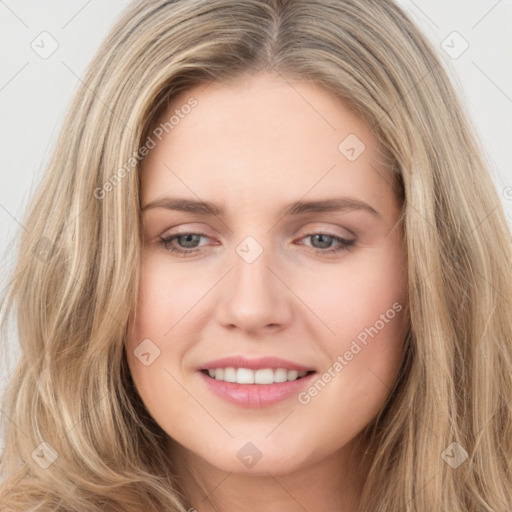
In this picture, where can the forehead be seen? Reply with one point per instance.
(264, 136)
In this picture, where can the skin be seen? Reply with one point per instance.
(253, 147)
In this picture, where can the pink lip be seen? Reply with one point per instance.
(255, 364)
(255, 395)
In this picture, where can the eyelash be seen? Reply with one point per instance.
(346, 245)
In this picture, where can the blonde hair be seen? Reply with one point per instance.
(77, 271)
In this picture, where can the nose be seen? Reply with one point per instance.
(253, 298)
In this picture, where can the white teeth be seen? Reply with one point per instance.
(293, 374)
(280, 375)
(245, 376)
(248, 376)
(229, 375)
(265, 376)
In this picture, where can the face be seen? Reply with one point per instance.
(287, 285)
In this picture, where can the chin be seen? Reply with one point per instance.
(257, 457)
(276, 464)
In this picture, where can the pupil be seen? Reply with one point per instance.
(321, 241)
(188, 237)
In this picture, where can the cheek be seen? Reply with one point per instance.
(365, 307)
(368, 293)
(160, 336)
(166, 294)
(146, 342)
(363, 360)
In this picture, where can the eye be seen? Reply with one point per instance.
(324, 240)
(188, 243)
(189, 239)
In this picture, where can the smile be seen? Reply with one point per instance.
(248, 376)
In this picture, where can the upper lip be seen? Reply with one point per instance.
(254, 363)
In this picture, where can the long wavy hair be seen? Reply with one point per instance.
(75, 282)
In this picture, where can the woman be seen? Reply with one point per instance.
(257, 367)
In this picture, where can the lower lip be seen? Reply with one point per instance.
(256, 395)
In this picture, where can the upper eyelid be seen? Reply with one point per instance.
(309, 231)
(343, 244)
(306, 234)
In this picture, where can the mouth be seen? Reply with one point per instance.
(264, 376)
(255, 382)
(255, 387)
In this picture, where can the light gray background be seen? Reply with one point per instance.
(35, 91)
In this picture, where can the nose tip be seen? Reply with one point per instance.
(252, 297)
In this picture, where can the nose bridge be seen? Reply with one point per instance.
(251, 272)
(253, 296)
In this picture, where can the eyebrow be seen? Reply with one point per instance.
(337, 204)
